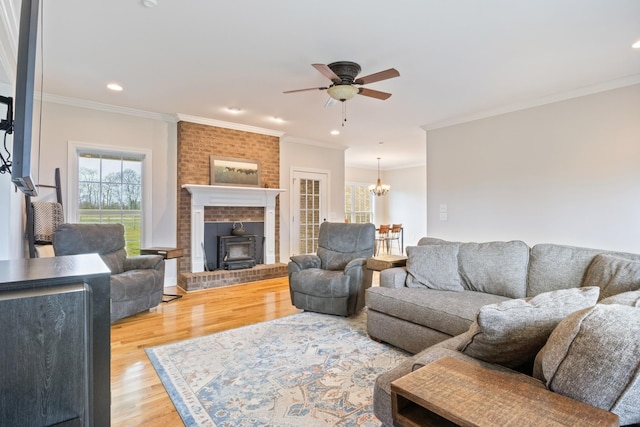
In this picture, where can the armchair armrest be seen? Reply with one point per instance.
(393, 277)
(301, 262)
(144, 262)
(355, 263)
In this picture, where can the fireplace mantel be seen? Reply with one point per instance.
(218, 195)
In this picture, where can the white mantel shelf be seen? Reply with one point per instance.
(219, 195)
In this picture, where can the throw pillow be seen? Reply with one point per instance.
(433, 267)
(631, 298)
(510, 333)
(613, 275)
(594, 356)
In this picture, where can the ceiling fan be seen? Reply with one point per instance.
(343, 77)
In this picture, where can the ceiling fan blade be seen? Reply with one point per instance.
(330, 102)
(376, 77)
(304, 90)
(327, 72)
(374, 93)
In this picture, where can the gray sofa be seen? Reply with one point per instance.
(136, 282)
(454, 299)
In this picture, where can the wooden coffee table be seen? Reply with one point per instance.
(382, 262)
(450, 392)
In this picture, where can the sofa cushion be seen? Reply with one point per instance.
(553, 267)
(510, 333)
(434, 267)
(447, 312)
(631, 298)
(613, 275)
(498, 268)
(594, 356)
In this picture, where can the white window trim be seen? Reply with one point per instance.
(71, 208)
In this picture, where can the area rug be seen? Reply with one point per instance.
(307, 369)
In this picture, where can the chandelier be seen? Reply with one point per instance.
(379, 189)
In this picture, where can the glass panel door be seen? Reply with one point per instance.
(309, 210)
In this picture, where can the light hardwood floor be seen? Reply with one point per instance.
(137, 396)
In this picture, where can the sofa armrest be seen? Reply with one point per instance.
(393, 277)
(144, 262)
(302, 262)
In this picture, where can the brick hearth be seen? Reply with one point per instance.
(219, 278)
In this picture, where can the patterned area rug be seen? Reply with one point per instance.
(307, 369)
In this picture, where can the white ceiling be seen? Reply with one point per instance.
(458, 59)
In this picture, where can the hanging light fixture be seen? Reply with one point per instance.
(379, 189)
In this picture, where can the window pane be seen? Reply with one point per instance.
(358, 205)
(110, 191)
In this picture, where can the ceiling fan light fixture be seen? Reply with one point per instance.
(342, 92)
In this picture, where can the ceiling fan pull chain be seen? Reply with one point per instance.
(344, 113)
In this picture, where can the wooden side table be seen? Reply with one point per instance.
(450, 392)
(166, 253)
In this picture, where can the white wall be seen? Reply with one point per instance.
(295, 154)
(566, 172)
(62, 123)
(407, 201)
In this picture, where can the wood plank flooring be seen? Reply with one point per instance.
(137, 395)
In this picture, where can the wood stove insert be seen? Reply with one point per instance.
(236, 252)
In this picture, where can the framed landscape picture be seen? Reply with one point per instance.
(229, 171)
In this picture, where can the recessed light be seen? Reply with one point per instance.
(636, 45)
(335, 132)
(114, 87)
(150, 3)
(234, 110)
(278, 119)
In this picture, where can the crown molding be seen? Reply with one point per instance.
(228, 125)
(81, 103)
(562, 96)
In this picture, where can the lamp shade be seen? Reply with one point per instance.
(342, 92)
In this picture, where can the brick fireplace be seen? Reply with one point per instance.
(196, 143)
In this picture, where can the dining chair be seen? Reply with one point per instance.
(394, 234)
(382, 234)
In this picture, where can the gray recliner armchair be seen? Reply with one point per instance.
(136, 282)
(334, 280)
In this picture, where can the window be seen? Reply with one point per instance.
(358, 203)
(109, 187)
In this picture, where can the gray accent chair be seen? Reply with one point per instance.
(334, 280)
(136, 282)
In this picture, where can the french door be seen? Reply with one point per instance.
(309, 209)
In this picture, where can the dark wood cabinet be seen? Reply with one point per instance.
(55, 349)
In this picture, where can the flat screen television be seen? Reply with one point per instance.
(23, 110)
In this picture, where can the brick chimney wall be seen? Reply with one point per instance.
(196, 143)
